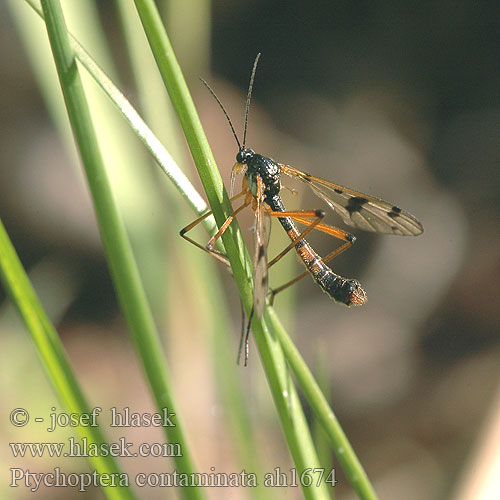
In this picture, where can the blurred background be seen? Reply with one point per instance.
(397, 100)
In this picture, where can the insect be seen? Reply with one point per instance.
(261, 189)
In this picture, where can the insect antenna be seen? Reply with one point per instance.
(249, 96)
(224, 110)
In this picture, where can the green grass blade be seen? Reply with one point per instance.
(321, 440)
(291, 415)
(208, 295)
(138, 125)
(191, 125)
(217, 323)
(122, 154)
(151, 92)
(341, 446)
(53, 355)
(123, 269)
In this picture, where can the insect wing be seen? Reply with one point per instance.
(357, 209)
(260, 283)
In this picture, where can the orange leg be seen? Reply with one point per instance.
(209, 247)
(301, 216)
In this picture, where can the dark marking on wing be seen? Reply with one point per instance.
(355, 204)
(262, 252)
(359, 210)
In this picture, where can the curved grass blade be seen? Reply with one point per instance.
(53, 356)
(286, 400)
(122, 265)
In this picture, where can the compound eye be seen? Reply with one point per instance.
(244, 155)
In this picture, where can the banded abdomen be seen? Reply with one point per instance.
(346, 291)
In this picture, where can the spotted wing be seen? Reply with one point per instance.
(260, 283)
(357, 209)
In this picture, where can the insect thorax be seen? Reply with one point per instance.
(268, 171)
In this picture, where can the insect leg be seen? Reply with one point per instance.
(245, 334)
(209, 249)
(211, 242)
(303, 216)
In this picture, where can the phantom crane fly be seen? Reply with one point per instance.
(261, 189)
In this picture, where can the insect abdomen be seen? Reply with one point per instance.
(346, 291)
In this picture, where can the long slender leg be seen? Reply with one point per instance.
(245, 333)
(303, 216)
(222, 229)
(214, 252)
(247, 347)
